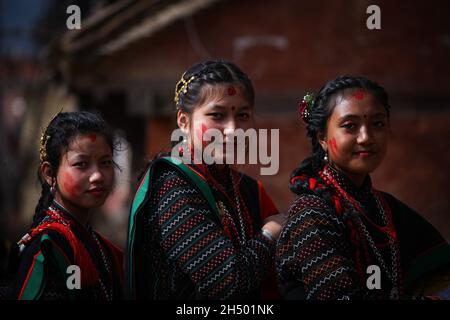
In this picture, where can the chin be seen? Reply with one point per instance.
(364, 167)
(97, 204)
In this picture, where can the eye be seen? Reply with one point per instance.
(379, 124)
(80, 164)
(244, 116)
(216, 115)
(107, 163)
(349, 126)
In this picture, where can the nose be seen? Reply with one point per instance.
(230, 126)
(228, 131)
(364, 136)
(96, 176)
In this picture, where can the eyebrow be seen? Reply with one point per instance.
(216, 106)
(83, 155)
(355, 116)
(79, 155)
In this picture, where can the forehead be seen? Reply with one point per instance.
(223, 94)
(358, 102)
(88, 144)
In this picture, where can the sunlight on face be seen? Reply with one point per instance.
(223, 107)
(357, 133)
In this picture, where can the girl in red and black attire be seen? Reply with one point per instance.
(62, 257)
(341, 230)
(202, 231)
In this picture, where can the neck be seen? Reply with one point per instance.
(356, 178)
(82, 215)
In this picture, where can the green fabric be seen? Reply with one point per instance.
(137, 203)
(56, 256)
(49, 253)
(35, 282)
(142, 196)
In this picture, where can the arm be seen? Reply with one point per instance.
(39, 276)
(311, 255)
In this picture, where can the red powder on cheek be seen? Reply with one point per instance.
(200, 131)
(231, 91)
(358, 95)
(70, 185)
(333, 146)
(92, 137)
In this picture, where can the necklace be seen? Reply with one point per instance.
(107, 292)
(238, 205)
(393, 272)
(52, 216)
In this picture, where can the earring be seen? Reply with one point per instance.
(52, 188)
(181, 148)
(326, 156)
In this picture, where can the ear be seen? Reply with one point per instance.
(321, 137)
(183, 121)
(47, 173)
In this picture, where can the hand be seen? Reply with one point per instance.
(274, 224)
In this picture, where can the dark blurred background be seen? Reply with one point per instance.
(128, 55)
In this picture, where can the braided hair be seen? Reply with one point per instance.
(212, 72)
(56, 137)
(322, 108)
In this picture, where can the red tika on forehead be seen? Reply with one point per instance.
(358, 95)
(231, 91)
(92, 137)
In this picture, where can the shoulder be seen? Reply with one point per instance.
(47, 254)
(413, 229)
(402, 213)
(308, 201)
(165, 170)
(52, 243)
(396, 204)
(163, 178)
(174, 184)
(311, 212)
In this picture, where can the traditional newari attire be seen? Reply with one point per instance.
(57, 242)
(194, 233)
(336, 230)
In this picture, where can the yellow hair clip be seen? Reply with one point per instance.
(182, 87)
(44, 139)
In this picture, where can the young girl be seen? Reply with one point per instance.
(202, 231)
(341, 232)
(61, 257)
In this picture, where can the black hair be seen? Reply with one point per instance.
(217, 71)
(60, 132)
(322, 108)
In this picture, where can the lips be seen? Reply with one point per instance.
(97, 191)
(365, 153)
